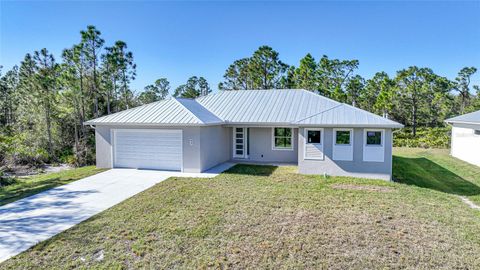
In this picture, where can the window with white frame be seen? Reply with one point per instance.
(374, 146)
(313, 143)
(342, 144)
(342, 137)
(282, 139)
(476, 132)
(374, 138)
(314, 136)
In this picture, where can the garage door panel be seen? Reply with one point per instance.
(148, 149)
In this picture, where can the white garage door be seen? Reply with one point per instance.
(147, 149)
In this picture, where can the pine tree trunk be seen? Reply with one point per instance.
(95, 86)
(49, 127)
(414, 119)
(125, 89)
(82, 106)
(108, 102)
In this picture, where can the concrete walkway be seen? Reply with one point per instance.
(26, 222)
(469, 203)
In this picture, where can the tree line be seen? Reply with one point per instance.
(44, 101)
(415, 96)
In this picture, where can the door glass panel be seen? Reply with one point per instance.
(239, 141)
(313, 136)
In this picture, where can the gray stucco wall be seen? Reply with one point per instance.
(356, 168)
(260, 139)
(261, 147)
(191, 146)
(214, 146)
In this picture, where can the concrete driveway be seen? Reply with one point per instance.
(28, 221)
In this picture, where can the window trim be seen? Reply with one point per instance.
(305, 143)
(342, 129)
(245, 142)
(382, 137)
(274, 148)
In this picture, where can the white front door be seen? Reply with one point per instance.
(159, 149)
(240, 142)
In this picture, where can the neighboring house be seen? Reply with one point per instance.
(322, 136)
(466, 137)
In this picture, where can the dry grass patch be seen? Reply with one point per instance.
(365, 188)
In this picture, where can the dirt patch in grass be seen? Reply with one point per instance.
(365, 188)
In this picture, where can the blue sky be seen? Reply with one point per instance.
(179, 39)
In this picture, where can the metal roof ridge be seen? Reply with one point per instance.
(319, 95)
(365, 111)
(315, 114)
(192, 113)
(188, 110)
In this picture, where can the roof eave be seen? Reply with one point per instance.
(353, 125)
(88, 123)
(449, 121)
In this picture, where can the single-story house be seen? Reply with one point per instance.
(466, 137)
(320, 135)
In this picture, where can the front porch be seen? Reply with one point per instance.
(264, 145)
(266, 163)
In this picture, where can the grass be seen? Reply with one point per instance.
(31, 185)
(436, 169)
(269, 217)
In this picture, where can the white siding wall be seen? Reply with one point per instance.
(466, 145)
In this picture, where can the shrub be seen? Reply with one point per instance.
(438, 137)
(19, 149)
(5, 181)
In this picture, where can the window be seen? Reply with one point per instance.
(476, 132)
(313, 143)
(282, 138)
(342, 144)
(313, 136)
(342, 137)
(374, 138)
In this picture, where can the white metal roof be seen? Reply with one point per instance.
(265, 106)
(344, 115)
(249, 107)
(171, 112)
(469, 118)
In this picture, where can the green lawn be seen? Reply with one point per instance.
(34, 184)
(436, 169)
(269, 217)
